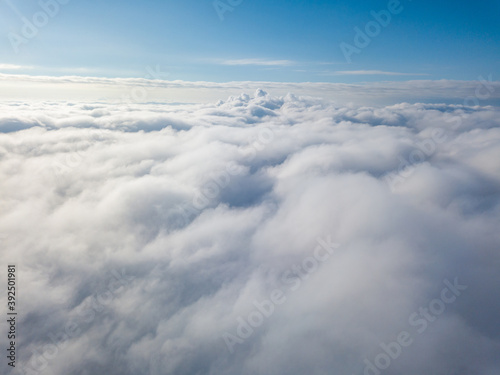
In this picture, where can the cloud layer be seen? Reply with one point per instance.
(155, 87)
(257, 235)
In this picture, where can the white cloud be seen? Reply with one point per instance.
(14, 67)
(375, 72)
(23, 87)
(207, 206)
(262, 62)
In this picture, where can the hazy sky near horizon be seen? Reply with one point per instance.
(280, 41)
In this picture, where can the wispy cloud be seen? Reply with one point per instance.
(261, 62)
(382, 92)
(14, 67)
(375, 72)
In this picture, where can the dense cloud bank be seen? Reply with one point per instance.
(485, 90)
(257, 235)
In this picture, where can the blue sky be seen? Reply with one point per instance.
(290, 41)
